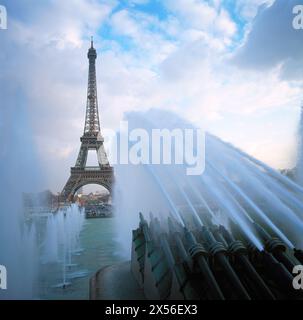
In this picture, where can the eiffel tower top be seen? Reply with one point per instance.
(92, 41)
(92, 122)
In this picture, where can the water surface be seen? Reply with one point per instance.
(99, 249)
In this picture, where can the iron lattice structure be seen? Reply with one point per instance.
(92, 139)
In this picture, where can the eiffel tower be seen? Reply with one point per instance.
(92, 139)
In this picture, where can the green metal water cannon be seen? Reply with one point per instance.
(200, 256)
(219, 256)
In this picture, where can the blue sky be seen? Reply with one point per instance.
(234, 67)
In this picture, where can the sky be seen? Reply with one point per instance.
(233, 67)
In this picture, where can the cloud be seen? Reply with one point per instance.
(203, 16)
(146, 33)
(273, 41)
(249, 9)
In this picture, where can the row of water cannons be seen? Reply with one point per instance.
(211, 263)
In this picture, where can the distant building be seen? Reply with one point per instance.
(41, 201)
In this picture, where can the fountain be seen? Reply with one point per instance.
(234, 187)
(19, 172)
(61, 242)
(240, 216)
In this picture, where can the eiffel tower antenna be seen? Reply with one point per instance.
(91, 140)
(92, 122)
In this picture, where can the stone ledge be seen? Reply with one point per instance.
(115, 282)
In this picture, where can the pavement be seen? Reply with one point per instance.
(115, 282)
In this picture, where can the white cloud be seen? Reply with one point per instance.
(225, 24)
(249, 9)
(202, 16)
(62, 23)
(152, 46)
